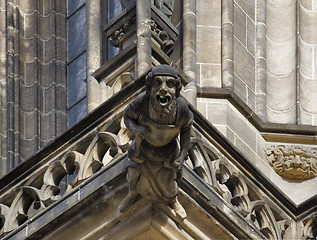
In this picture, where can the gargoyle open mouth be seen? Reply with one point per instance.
(163, 100)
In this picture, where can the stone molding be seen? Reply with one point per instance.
(293, 161)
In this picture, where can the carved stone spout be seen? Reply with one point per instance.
(157, 118)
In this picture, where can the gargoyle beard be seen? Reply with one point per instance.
(162, 113)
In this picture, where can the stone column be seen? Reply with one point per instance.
(308, 62)
(143, 58)
(3, 85)
(189, 50)
(14, 57)
(227, 43)
(281, 61)
(94, 41)
(260, 59)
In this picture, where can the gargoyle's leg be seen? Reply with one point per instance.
(133, 175)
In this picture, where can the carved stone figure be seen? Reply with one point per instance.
(156, 118)
(293, 162)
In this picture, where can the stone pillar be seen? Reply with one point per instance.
(189, 50)
(143, 58)
(94, 41)
(281, 61)
(3, 85)
(227, 43)
(307, 62)
(260, 59)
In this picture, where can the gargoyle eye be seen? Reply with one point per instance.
(157, 82)
(171, 83)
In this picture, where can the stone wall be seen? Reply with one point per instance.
(209, 43)
(33, 77)
(263, 52)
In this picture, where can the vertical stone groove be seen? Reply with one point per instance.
(260, 59)
(227, 43)
(189, 49)
(4, 167)
(307, 63)
(281, 61)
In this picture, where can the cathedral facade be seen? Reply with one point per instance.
(68, 71)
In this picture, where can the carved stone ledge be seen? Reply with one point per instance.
(293, 161)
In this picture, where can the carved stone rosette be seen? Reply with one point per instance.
(293, 161)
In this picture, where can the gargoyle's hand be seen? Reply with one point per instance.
(141, 131)
(176, 166)
(178, 163)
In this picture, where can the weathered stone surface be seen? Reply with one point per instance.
(287, 116)
(281, 92)
(306, 118)
(28, 6)
(28, 132)
(308, 65)
(209, 74)
(244, 69)
(248, 7)
(242, 128)
(308, 100)
(240, 24)
(251, 36)
(209, 13)
(217, 113)
(240, 88)
(307, 23)
(278, 52)
(281, 20)
(208, 45)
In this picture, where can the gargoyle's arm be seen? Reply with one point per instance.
(131, 116)
(185, 143)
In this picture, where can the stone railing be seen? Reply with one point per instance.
(216, 176)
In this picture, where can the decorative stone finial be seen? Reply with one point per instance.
(157, 117)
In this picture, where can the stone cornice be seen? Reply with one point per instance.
(268, 129)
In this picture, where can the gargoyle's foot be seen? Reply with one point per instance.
(128, 201)
(179, 210)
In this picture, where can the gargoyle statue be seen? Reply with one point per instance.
(161, 122)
